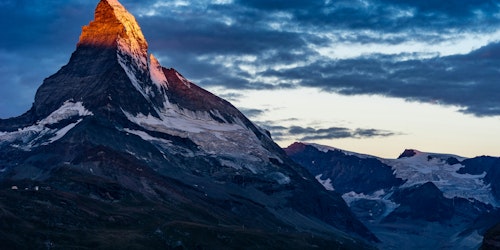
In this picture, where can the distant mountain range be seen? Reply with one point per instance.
(118, 152)
(418, 201)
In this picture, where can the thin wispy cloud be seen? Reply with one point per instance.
(299, 133)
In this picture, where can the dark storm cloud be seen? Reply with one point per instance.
(466, 81)
(469, 81)
(208, 43)
(252, 113)
(309, 133)
(388, 15)
(201, 37)
(457, 8)
(281, 4)
(37, 38)
(365, 133)
(232, 96)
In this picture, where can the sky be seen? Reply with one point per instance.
(370, 76)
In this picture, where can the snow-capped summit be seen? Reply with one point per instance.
(447, 171)
(110, 70)
(111, 75)
(122, 139)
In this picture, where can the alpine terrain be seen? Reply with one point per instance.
(417, 201)
(118, 152)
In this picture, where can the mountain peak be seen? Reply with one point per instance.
(408, 153)
(295, 147)
(110, 66)
(114, 26)
(114, 125)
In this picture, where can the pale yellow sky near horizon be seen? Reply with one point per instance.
(423, 126)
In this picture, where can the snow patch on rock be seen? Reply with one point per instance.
(380, 195)
(40, 134)
(62, 132)
(131, 73)
(430, 167)
(233, 142)
(157, 75)
(145, 136)
(280, 178)
(326, 183)
(425, 167)
(67, 110)
(183, 80)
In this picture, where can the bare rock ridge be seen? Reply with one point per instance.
(119, 69)
(117, 145)
(112, 22)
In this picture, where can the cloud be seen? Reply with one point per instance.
(37, 39)
(266, 45)
(469, 81)
(281, 4)
(311, 134)
(455, 8)
(252, 113)
(284, 39)
(365, 133)
(387, 16)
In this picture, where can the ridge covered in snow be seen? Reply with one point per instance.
(324, 148)
(41, 133)
(420, 200)
(215, 137)
(425, 167)
(440, 169)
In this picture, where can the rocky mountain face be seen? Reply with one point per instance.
(118, 152)
(418, 201)
(491, 239)
(484, 165)
(345, 172)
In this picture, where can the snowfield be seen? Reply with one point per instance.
(427, 167)
(326, 183)
(380, 195)
(40, 134)
(234, 143)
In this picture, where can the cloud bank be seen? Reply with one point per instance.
(427, 51)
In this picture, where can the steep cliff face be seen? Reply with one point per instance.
(491, 239)
(126, 147)
(481, 165)
(113, 26)
(344, 172)
(110, 69)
